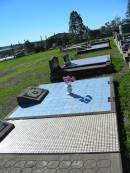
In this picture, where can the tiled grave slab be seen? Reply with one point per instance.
(76, 134)
(90, 61)
(98, 46)
(61, 163)
(94, 46)
(89, 95)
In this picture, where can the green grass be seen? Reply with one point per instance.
(15, 75)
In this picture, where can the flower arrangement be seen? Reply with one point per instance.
(68, 80)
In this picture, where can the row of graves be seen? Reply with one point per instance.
(63, 127)
(88, 46)
(80, 68)
(122, 39)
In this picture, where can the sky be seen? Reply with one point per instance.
(29, 19)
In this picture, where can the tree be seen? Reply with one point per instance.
(76, 25)
(128, 10)
(29, 46)
(62, 39)
(110, 27)
(115, 23)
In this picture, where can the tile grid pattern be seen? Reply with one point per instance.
(89, 95)
(78, 134)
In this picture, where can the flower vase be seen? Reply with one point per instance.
(69, 89)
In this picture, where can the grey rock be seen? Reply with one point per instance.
(10, 163)
(77, 164)
(65, 164)
(41, 164)
(90, 163)
(30, 164)
(103, 163)
(53, 164)
(20, 164)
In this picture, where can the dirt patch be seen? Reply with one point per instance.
(6, 71)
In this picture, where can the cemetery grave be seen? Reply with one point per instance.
(89, 61)
(88, 47)
(59, 133)
(94, 47)
(81, 68)
(123, 42)
(85, 98)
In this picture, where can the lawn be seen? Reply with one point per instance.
(15, 75)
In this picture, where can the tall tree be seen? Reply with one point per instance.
(128, 10)
(76, 25)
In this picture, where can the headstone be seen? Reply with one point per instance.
(125, 47)
(54, 65)
(32, 95)
(5, 129)
(124, 28)
(121, 42)
(67, 60)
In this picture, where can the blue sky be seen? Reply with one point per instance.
(28, 19)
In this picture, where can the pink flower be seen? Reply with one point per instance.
(68, 79)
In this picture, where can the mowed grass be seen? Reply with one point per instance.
(32, 70)
(16, 75)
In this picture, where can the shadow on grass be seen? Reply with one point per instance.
(122, 132)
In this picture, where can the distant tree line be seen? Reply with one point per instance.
(57, 40)
(33, 47)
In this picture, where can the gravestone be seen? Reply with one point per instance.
(67, 60)
(31, 95)
(54, 65)
(5, 129)
(124, 28)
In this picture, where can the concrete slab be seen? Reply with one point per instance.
(76, 134)
(89, 96)
(61, 163)
(90, 61)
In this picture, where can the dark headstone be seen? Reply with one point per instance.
(5, 128)
(31, 95)
(67, 60)
(125, 47)
(54, 65)
(124, 28)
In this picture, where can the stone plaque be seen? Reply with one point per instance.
(31, 95)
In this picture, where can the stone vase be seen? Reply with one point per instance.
(69, 88)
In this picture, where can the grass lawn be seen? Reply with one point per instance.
(15, 75)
